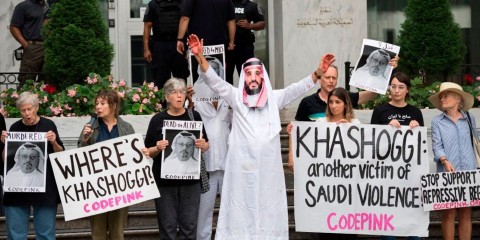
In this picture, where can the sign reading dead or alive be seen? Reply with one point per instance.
(360, 179)
(103, 177)
(25, 162)
(181, 159)
(451, 190)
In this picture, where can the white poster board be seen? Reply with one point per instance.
(451, 190)
(372, 71)
(26, 162)
(181, 159)
(215, 56)
(361, 179)
(103, 177)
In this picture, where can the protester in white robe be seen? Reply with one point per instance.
(253, 203)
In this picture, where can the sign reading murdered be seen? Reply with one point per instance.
(26, 165)
(215, 56)
(181, 159)
(447, 190)
(103, 177)
(373, 71)
(360, 179)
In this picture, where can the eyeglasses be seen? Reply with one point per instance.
(31, 157)
(187, 145)
(182, 92)
(399, 87)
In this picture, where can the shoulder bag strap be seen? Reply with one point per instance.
(470, 125)
(190, 114)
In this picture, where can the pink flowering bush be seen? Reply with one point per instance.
(78, 99)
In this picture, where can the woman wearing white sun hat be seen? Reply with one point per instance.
(452, 147)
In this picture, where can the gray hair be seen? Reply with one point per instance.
(27, 98)
(174, 84)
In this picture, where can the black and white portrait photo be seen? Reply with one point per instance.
(181, 159)
(373, 71)
(215, 55)
(25, 166)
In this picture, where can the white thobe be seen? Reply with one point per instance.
(254, 202)
(16, 178)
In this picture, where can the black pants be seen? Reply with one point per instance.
(167, 62)
(236, 58)
(32, 62)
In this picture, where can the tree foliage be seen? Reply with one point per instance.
(430, 40)
(76, 43)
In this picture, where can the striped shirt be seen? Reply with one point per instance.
(453, 141)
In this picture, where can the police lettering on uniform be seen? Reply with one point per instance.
(248, 18)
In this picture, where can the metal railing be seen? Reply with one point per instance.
(10, 79)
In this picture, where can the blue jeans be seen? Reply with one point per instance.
(178, 206)
(394, 238)
(17, 218)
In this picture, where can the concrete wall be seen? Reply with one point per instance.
(311, 28)
(8, 43)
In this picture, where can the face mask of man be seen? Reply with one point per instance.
(253, 79)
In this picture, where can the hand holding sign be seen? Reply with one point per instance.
(394, 61)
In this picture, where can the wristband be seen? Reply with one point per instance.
(180, 39)
(316, 75)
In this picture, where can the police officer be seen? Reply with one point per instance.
(160, 49)
(26, 25)
(248, 17)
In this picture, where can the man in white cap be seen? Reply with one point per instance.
(29, 167)
(254, 204)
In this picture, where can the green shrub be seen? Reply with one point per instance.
(431, 41)
(76, 43)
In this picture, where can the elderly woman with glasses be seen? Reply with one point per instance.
(18, 205)
(180, 199)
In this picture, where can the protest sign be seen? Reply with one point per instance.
(215, 55)
(361, 179)
(181, 159)
(26, 165)
(103, 177)
(447, 190)
(372, 72)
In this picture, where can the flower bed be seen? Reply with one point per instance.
(78, 100)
